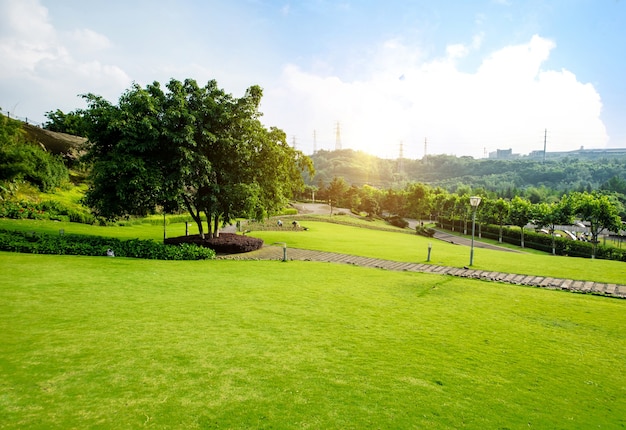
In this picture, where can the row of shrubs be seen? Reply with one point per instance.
(49, 210)
(543, 242)
(74, 244)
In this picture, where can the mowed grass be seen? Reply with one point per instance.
(324, 236)
(396, 246)
(88, 342)
(137, 230)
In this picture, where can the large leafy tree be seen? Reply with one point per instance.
(188, 146)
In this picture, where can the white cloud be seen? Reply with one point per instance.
(87, 40)
(506, 103)
(42, 69)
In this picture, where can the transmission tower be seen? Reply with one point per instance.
(337, 137)
(314, 141)
(545, 141)
(401, 158)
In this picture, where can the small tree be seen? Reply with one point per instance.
(600, 211)
(498, 212)
(552, 214)
(336, 190)
(520, 214)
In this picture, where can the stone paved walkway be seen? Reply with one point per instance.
(276, 253)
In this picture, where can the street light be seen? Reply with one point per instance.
(474, 202)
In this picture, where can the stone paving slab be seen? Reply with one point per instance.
(276, 253)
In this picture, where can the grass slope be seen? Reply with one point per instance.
(324, 236)
(119, 343)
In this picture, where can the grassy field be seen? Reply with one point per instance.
(366, 242)
(136, 230)
(413, 248)
(89, 342)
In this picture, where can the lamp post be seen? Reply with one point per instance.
(474, 202)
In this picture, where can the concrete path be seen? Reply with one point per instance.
(276, 253)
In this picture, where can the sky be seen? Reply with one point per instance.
(458, 77)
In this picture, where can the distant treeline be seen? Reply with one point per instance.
(533, 179)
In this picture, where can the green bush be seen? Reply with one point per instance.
(48, 209)
(73, 244)
(424, 231)
(397, 221)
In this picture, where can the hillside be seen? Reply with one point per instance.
(502, 176)
(66, 145)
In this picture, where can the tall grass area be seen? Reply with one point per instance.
(118, 343)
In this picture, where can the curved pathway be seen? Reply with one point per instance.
(276, 253)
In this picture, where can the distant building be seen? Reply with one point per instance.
(503, 154)
(580, 153)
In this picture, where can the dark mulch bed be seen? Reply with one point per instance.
(226, 243)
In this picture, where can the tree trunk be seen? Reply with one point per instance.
(216, 226)
(195, 214)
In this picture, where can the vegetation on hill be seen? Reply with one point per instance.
(22, 159)
(506, 178)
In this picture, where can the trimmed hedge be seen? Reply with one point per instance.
(74, 244)
(543, 242)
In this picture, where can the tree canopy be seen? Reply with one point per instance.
(188, 146)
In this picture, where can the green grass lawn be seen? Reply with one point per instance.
(413, 248)
(135, 230)
(366, 242)
(88, 342)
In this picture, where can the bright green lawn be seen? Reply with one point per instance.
(370, 243)
(88, 342)
(136, 230)
(413, 248)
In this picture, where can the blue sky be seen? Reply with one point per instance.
(468, 77)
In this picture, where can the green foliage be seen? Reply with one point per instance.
(71, 123)
(542, 242)
(72, 244)
(22, 160)
(188, 146)
(397, 221)
(527, 177)
(48, 209)
(424, 231)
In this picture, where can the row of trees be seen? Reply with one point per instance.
(599, 210)
(186, 146)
